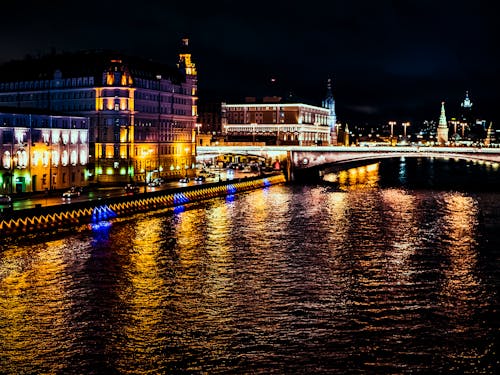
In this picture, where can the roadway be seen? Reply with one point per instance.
(55, 198)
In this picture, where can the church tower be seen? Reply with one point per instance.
(442, 129)
(329, 103)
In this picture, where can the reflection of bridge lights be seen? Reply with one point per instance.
(100, 226)
(180, 198)
(179, 209)
(231, 189)
(372, 167)
(230, 198)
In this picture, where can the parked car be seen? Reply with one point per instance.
(131, 189)
(200, 178)
(71, 193)
(5, 199)
(184, 180)
(154, 183)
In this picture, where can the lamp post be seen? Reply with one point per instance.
(146, 163)
(187, 160)
(405, 124)
(13, 164)
(462, 124)
(392, 123)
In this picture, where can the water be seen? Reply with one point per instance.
(375, 272)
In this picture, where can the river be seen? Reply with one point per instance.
(389, 268)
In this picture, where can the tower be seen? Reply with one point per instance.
(329, 103)
(466, 109)
(490, 135)
(185, 63)
(442, 129)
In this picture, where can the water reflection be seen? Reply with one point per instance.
(287, 279)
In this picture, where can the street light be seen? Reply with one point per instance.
(186, 166)
(463, 124)
(13, 164)
(253, 133)
(405, 124)
(392, 123)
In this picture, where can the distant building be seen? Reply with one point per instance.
(329, 103)
(276, 123)
(142, 114)
(466, 110)
(42, 152)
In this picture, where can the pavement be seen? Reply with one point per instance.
(95, 193)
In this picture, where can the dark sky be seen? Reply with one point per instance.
(389, 59)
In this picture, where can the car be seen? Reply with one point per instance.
(184, 180)
(71, 193)
(131, 189)
(5, 199)
(200, 178)
(154, 183)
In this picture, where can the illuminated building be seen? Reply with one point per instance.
(276, 123)
(41, 152)
(442, 129)
(142, 113)
(466, 105)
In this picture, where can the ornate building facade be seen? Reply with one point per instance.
(274, 122)
(42, 152)
(142, 114)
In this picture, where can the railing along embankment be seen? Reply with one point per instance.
(51, 218)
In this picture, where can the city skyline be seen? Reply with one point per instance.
(387, 61)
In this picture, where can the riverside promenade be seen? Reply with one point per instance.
(91, 213)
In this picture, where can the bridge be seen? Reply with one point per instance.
(311, 161)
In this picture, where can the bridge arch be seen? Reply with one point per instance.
(311, 165)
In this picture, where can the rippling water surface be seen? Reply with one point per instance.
(368, 274)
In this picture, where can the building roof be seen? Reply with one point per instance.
(84, 63)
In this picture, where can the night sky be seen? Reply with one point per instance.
(389, 60)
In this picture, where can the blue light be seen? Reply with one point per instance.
(179, 209)
(101, 226)
(102, 213)
(180, 198)
(230, 198)
(266, 182)
(231, 189)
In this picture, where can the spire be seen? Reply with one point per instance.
(466, 103)
(329, 103)
(490, 134)
(442, 130)
(442, 117)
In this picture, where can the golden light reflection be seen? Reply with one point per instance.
(34, 306)
(402, 223)
(366, 176)
(144, 296)
(460, 285)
